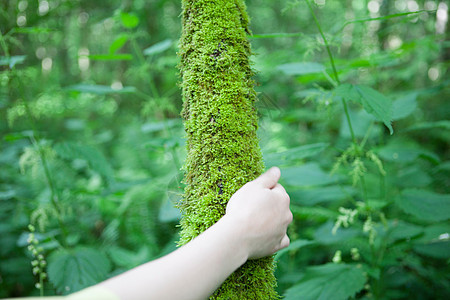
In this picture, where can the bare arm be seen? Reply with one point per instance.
(254, 226)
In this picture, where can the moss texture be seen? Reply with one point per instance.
(220, 122)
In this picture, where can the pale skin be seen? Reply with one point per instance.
(254, 226)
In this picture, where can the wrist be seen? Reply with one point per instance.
(234, 233)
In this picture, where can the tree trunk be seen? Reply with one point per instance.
(220, 122)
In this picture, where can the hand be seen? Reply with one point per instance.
(260, 209)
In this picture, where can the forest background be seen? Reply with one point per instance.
(92, 144)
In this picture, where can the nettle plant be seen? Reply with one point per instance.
(388, 230)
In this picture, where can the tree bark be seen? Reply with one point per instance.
(220, 121)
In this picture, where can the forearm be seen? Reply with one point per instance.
(193, 271)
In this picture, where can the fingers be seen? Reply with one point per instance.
(270, 178)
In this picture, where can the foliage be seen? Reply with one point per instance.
(353, 105)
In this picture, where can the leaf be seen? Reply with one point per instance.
(31, 30)
(329, 281)
(129, 259)
(295, 245)
(301, 68)
(425, 205)
(118, 43)
(73, 270)
(100, 89)
(129, 20)
(294, 154)
(309, 174)
(11, 61)
(109, 56)
(158, 47)
(402, 230)
(96, 160)
(404, 151)
(443, 124)
(310, 197)
(372, 101)
(316, 213)
(325, 236)
(404, 106)
(438, 249)
(376, 104)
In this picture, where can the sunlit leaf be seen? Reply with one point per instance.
(329, 281)
(158, 47)
(129, 20)
(118, 43)
(301, 68)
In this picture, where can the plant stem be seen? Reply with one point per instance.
(333, 66)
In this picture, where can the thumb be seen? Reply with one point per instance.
(270, 178)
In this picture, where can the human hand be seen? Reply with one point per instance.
(260, 210)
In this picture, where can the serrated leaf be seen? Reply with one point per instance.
(425, 205)
(129, 259)
(309, 174)
(376, 104)
(73, 270)
(372, 101)
(129, 20)
(404, 106)
(329, 281)
(118, 43)
(301, 68)
(11, 61)
(158, 47)
(100, 89)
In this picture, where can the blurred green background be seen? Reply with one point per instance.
(92, 144)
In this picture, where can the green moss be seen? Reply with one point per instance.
(220, 122)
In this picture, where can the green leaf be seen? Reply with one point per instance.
(376, 104)
(100, 89)
(437, 249)
(443, 124)
(301, 68)
(425, 205)
(73, 270)
(110, 56)
(329, 281)
(129, 20)
(295, 245)
(31, 30)
(310, 197)
(129, 259)
(315, 213)
(309, 174)
(294, 154)
(11, 61)
(402, 230)
(158, 47)
(325, 236)
(404, 106)
(372, 101)
(404, 151)
(96, 160)
(118, 43)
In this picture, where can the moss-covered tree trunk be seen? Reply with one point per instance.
(221, 123)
